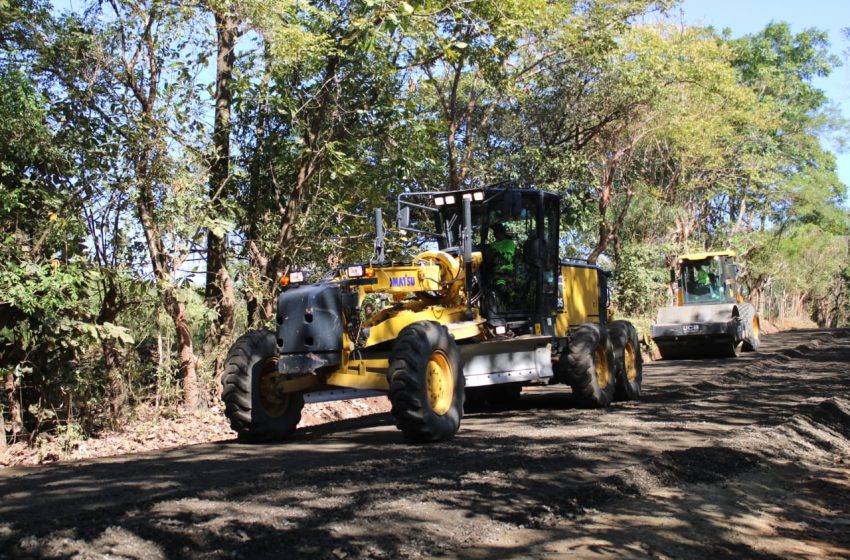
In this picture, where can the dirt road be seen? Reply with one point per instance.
(745, 458)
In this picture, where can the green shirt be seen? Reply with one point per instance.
(505, 252)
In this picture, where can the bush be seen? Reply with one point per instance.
(639, 281)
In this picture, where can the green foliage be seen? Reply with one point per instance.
(49, 343)
(639, 281)
(804, 271)
(660, 138)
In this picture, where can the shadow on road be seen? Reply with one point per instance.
(671, 473)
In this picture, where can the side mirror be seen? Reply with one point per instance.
(672, 275)
(403, 220)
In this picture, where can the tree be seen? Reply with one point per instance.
(138, 60)
(219, 290)
(662, 109)
(30, 203)
(309, 134)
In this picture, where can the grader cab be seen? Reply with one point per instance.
(485, 308)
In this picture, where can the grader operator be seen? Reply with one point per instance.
(487, 308)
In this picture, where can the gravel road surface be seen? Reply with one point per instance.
(735, 458)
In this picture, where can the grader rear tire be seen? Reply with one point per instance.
(587, 365)
(255, 412)
(426, 383)
(628, 362)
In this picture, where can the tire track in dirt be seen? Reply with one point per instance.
(725, 458)
(809, 448)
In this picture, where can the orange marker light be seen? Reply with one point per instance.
(369, 272)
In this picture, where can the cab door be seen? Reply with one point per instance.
(521, 227)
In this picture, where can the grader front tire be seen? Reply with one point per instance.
(426, 383)
(255, 412)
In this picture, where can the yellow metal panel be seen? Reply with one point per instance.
(467, 329)
(581, 298)
(432, 271)
(562, 323)
(356, 374)
(390, 328)
(359, 381)
(298, 384)
(367, 366)
(450, 264)
(708, 255)
(405, 279)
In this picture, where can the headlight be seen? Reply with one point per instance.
(296, 277)
(450, 199)
(355, 271)
(439, 201)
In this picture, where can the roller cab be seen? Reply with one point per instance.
(710, 318)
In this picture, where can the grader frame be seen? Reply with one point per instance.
(452, 333)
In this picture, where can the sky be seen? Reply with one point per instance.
(744, 17)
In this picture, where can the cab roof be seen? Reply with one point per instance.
(707, 255)
(495, 188)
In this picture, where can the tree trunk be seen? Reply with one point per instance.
(219, 285)
(608, 231)
(185, 352)
(15, 423)
(167, 292)
(162, 261)
(258, 188)
(117, 387)
(2, 430)
(2, 424)
(109, 309)
(800, 304)
(451, 149)
(757, 295)
(159, 363)
(605, 195)
(308, 164)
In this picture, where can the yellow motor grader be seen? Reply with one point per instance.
(710, 318)
(484, 309)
